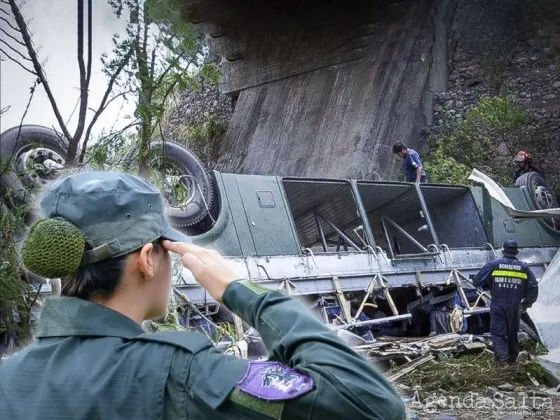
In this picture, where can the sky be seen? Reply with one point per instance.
(53, 25)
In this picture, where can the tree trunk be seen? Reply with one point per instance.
(144, 135)
(72, 153)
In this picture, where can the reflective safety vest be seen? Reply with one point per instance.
(510, 281)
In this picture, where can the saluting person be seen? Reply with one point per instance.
(106, 235)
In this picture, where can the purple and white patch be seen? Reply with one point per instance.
(273, 381)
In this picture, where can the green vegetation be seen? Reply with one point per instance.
(531, 346)
(486, 138)
(15, 293)
(160, 55)
(204, 139)
(472, 373)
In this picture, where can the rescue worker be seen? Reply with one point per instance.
(106, 235)
(513, 289)
(525, 164)
(412, 164)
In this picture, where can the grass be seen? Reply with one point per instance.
(472, 373)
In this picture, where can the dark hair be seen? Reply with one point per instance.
(98, 279)
(397, 147)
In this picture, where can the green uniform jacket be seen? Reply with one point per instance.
(90, 362)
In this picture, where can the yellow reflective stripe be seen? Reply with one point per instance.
(509, 273)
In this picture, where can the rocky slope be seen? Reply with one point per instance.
(508, 47)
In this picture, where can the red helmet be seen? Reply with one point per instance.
(521, 156)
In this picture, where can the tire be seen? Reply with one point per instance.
(541, 196)
(18, 183)
(200, 185)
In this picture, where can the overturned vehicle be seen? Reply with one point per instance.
(369, 257)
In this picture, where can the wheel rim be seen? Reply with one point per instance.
(178, 190)
(38, 166)
(543, 197)
(545, 200)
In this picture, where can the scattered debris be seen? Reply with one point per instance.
(506, 387)
(410, 366)
(533, 380)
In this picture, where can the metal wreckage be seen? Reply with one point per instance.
(374, 260)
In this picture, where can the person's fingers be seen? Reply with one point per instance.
(209, 256)
(176, 247)
(193, 263)
(182, 248)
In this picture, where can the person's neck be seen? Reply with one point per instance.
(128, 306)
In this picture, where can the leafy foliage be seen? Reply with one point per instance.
(166, 55)
(444, 169)
(14, 293)
(205, 138)
(485, 139)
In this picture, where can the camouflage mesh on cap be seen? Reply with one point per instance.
(53, 248)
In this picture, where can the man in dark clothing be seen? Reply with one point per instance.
(524, 164)
(513, 288)
(412, 164)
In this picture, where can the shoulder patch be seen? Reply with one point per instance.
(273, 381)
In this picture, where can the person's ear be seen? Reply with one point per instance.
(145, 262)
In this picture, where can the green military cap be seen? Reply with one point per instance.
(115, 214)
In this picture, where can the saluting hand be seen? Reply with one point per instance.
(209, 268)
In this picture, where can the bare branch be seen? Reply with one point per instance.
(9, 24)
(17, 62)
(119, 95)
(113, 134)
(105, 98)
(12, 37)
(3, 11)
(20, 21)
(31, 94)
(14, 50)
(5, 109)
(83, 79)
(121, 130)
(90, 41)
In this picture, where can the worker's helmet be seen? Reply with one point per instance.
(521, 156)
(510, 248)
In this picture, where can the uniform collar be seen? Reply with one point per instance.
(509, 256)
(70, 316)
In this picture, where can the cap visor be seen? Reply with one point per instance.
(176, 236)
(518, 159)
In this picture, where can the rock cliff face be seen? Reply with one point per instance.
(341, 114)
(324, 89)
(194, 106)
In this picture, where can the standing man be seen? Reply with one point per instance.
(412, 164)
(525, 164)
(514, 288)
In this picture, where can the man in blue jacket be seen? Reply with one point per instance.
(412, 164)
(514, 288)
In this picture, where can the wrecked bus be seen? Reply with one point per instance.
(370, 257)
